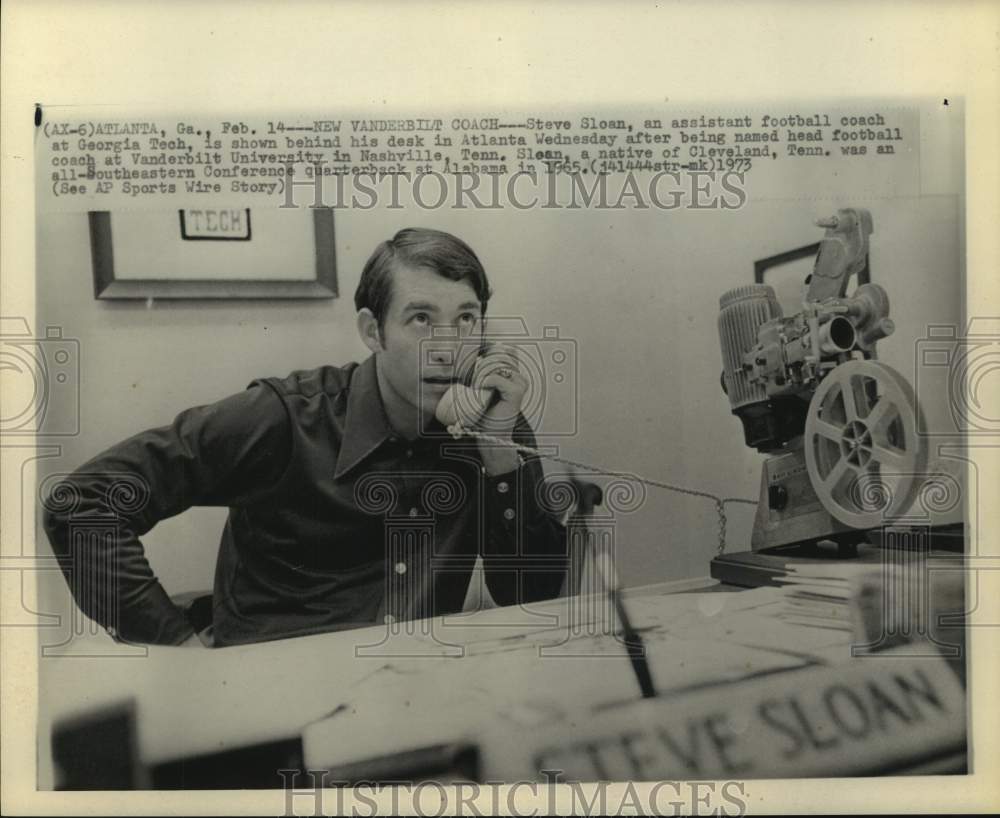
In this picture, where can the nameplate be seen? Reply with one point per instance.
(877, 714)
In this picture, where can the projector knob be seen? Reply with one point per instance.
(777, 497)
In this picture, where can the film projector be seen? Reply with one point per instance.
(841, 431)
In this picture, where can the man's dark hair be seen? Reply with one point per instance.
(442, 252)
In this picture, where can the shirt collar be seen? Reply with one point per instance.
(366, 426)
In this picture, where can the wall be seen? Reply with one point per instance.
(637, 290)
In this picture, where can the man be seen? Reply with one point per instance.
(349, 504)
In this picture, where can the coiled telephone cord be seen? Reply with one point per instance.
(720, 502)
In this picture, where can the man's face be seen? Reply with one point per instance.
(425, 306)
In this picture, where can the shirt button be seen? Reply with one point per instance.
(509, 514)
(414, 512)
(409, 452)
(503, 487)
(388, 619)
(400, 567)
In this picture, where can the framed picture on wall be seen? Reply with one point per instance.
(213, 253)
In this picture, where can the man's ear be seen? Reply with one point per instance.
(368, 330)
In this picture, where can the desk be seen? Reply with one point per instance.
(507, 683)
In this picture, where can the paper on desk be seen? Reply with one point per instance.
(408, 704)
(759, 624)
(558, 677)
(705, 639)
(832, 570)
(553, 622)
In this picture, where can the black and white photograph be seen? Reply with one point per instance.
(478, 453)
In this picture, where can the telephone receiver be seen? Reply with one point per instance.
(464, 404)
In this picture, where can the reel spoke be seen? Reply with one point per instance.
(850, 403)
(836, 474)
(828, 430)
(878, 413)
(884, 456)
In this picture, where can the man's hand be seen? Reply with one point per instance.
(498, 369)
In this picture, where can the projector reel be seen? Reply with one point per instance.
(864, 456)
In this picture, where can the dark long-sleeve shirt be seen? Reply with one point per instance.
(334, 521)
